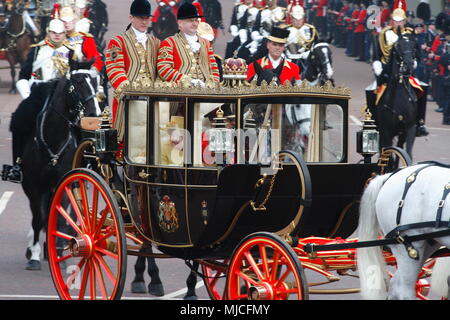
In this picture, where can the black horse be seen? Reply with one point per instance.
(318, 67)
(51, 141)
(166, 25)
(397, 107)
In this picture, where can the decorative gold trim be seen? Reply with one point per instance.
(159, 88)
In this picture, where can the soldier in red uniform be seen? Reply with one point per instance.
(276, 43)
(185, 57)
(131, 56)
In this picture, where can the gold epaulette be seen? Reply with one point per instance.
(86, 34)
(39, 44)
(68, 44)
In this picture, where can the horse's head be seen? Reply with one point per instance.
(268, 75)
(321, 62)
(82, 88)
(404, 54)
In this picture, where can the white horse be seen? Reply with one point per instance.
(378, 216)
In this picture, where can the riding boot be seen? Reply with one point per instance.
(15, 172)
(421, 112)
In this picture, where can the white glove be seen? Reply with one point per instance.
(161, 3)
(24, 88)
(256, 36)
(234, 31)
(243, 36)
(415, 65)
(377, 67)
(198, 83)
(172, 3)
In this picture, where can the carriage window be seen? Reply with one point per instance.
(312, 130)
(137, 131)
(170, 134)
(214, 134)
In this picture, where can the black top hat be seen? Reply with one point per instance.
(279, 35)
(187, 11)
(141, 8)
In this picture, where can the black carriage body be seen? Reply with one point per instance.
(191, 210)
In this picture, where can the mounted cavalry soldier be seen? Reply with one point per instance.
(382, 66)
(237, 27)
(131, 56)
(185, 57)
(302, 36)
(46, 61)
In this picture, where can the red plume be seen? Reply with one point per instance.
(56, 11)
(400, 4)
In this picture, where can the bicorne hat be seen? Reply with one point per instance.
(278, 35)
(187, 11)
(141, 8)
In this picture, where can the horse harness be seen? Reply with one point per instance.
(80, 107)
(395, 236)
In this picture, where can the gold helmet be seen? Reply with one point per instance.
(399, 13)
(67, 14)
(297, 12)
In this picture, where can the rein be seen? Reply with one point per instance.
(80, 107)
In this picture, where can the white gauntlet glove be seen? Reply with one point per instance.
(24, 88)
(234, 31)
(377, 67)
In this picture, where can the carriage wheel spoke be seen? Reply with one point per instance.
(264, 260)
(69, 219)
(104, 215)
(254, 265)
(108, 253)
(64, 258)
(105, 236)
(107, 269)
(276, 260)
(84, 278)
(246, 278)
(85, 204)
(94, 208)
(92, 281)
(283, 277)
(100, 280)
(75, 206)
(63, 235)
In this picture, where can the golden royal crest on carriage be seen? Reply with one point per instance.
(167, 215)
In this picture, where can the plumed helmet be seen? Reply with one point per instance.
(141, 8)
(67, 14)
(187, 11)
(297, 12)
(205, 31)
(56, 25)
(399, 13)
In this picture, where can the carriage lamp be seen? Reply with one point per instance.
(220, 137)
(106, 136)
(367, 139)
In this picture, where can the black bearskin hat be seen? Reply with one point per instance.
(441, 17)
(423, 11)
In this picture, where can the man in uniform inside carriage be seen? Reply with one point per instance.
(382, 66)
(185, 57)
(131, 56)
(302, 36)
(275, 63)
(47, 60)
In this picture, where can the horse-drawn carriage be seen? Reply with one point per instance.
(204, 175)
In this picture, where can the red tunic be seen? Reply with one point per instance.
(360, 26)
(175, 59)
(290, 70)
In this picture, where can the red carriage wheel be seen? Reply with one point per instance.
(214, 278)
(86, 238)
(264, 267)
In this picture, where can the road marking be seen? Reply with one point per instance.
(4, 200)
(169, 296)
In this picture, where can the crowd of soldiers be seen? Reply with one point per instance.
(354, 25)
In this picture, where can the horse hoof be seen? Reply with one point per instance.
(194, 297)
(28, 254)
(33, 265)
(156, 289)
(138, 287)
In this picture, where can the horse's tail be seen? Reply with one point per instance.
(440, 278)
(371, 263)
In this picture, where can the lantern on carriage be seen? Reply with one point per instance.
(367, 139)
(221, 136)
(106, 136)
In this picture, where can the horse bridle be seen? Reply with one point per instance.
(80, 105)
